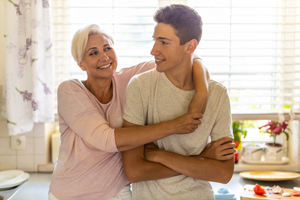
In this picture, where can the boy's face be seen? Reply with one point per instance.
(167, 51)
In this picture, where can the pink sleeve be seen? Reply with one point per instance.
(137, 69)
(75, 107)
(142, 67)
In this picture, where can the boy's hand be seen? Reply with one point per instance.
(151, 151)
(222, 149)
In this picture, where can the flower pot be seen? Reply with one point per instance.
(253, 152)
(273, 152)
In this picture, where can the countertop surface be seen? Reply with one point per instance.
(36, 188)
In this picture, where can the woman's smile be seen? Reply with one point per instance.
(100, 60)
(103, 67)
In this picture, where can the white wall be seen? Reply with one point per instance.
(2, 47)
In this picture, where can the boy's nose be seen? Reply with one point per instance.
(154, 50)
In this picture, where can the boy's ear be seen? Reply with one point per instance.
(82, 67)
(191, 46)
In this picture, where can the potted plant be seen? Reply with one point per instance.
(251, 152)
(238, 132)
(273, 150)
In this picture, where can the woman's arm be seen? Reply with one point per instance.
(201, 80)
(131, 137)
(78, 113)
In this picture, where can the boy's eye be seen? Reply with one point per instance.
(163, 42)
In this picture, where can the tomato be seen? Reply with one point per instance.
(296, 193)
(259, 190)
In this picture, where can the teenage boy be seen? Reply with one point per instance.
(178, 168)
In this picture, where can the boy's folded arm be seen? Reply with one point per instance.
(214, 164)
(138, 169)
(198, 168)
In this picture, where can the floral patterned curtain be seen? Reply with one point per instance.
(28, 72)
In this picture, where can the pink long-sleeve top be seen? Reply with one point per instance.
(89, 165)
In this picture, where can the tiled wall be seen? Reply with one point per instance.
(36, 152)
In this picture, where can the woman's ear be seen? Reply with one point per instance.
(82, 67)
(191, 46)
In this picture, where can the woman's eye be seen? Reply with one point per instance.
(93, 53)
(107, 48)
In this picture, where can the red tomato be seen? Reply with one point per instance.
(295, 193)
(259, 190)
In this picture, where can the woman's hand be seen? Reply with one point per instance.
(187, 123)
(222, 149)
(151, 151)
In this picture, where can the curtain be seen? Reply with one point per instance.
(28, 71)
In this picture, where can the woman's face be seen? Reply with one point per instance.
(99, 59)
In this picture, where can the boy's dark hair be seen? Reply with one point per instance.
(185, 20)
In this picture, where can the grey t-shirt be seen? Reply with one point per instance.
(151, 98)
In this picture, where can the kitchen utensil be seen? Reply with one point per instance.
(9, 176)
(16, 181)
(269, 175)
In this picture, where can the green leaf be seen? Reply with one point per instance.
(287, 135)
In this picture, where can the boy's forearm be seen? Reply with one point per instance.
(198, 168)
(138, 169)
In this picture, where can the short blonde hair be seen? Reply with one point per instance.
(80, 39)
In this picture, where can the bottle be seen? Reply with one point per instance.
(236, 157)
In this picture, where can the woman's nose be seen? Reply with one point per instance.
(103, 57)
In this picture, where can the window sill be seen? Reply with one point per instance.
(290, 166)
(262, 116)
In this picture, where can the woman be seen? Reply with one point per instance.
(89, 164)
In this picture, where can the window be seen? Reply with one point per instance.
(252, 47)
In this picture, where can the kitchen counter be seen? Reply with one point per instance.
(36, 188)
(237, 183)
(9, 193)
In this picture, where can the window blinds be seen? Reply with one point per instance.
(252, 47)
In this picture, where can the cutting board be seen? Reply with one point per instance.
(248, 194)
